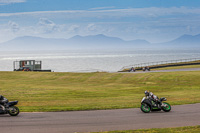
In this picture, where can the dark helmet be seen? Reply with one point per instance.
(146, 93)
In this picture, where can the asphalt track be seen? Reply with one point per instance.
(100, 120)
(170, 70)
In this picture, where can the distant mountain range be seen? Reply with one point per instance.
(91, 42)
(185, 40)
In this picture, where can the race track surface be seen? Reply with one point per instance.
(170, 70)
(176, 70)
(100, 120)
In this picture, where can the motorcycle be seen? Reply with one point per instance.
(147, 105)
(10, 108)
(146, 68)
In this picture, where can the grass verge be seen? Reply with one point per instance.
(45, 91)
(189, 129)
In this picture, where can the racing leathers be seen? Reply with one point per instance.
(154, 98)
(3, 102)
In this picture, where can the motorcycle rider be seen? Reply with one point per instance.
(3, 102)
(153, 97)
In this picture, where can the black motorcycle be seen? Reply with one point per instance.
(10, 108)
(148, 105)
(146, 69)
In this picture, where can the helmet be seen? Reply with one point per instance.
(146, 93)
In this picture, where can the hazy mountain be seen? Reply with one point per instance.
(96, 39)
(32, 43)
(185, 41)
(76, 42)
(92, 42)
(139, 41)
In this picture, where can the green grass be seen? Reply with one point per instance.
(43, 91)
(190, 129)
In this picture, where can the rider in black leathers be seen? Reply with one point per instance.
(153, 97)
(3, 102)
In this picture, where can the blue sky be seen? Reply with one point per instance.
(152, 20)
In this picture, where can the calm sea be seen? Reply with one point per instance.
(95, 60)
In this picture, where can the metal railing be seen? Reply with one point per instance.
(141, 65)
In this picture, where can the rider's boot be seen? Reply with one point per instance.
(2, 109)
(159, 105)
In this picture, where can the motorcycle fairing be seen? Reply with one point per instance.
(148, 102)
(12, 103)
(163, 99)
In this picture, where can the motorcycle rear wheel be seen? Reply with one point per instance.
(145, 108)
(13, 111)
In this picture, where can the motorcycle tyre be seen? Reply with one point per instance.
(168, 109)
(144, 110)
(15, 114)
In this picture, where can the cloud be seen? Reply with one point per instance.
(13, 26)
(141, 12)
(73, 28)
(6, 2)
(9, 31)
(47, 26)
(91, 27)
(45, 21)
(100, 8)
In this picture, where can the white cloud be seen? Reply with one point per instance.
(5, 2)
(141, 12)
(91, 27)
(45, 21)
(73, 28)
(100, 8)
(13, 26)
(47, 26)
(8, 31)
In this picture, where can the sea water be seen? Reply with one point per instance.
(94, 60)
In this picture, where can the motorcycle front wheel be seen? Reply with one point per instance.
(166, 107)
(13, 111)
(145, 108)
